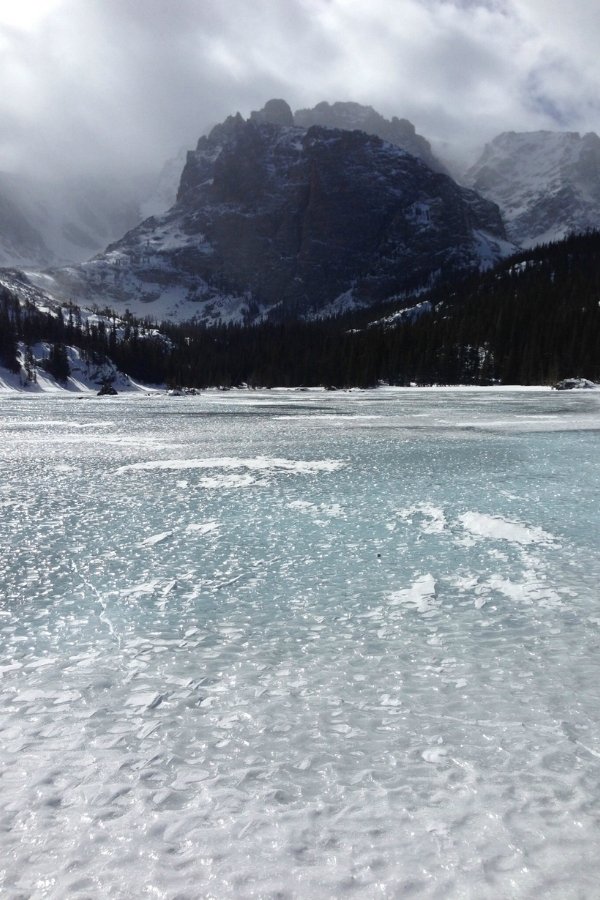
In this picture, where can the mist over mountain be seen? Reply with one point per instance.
(44, 222)
(547, 184)
(21, 243)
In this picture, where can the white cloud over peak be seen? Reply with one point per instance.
(122, 84)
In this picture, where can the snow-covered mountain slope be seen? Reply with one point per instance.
(284, 221)
(50, 223)
(547, 184)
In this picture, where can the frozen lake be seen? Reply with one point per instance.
(300, 645)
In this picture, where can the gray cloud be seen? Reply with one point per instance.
(120, 85)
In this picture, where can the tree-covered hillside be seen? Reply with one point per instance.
(532, 320)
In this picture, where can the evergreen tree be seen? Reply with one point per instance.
(57, 363)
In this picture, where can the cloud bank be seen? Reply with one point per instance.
(121, 85)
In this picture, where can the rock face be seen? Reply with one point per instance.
(355, 117)
(547, 184)
(283, 221)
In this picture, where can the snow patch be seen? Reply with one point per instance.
(420, 596)
(257, 464)
(431, 519)
(202, 527)
(500, 529)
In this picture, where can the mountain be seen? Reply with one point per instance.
(33, 373)
(45, 223)
(547, 184)
(277, 220)
(355, 117)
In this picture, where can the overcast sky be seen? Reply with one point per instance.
(125, 83)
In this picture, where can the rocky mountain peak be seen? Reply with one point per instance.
(223, 131)
(351, 116)
(274, 112)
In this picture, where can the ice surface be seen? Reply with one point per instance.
(371, 672)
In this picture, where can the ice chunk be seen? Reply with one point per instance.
(155, 539)
(420, 596)
(500, 529)
(203, 527)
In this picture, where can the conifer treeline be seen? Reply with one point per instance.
(533, 319)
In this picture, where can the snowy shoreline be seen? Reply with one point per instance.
(46, 385)
(87, 377)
